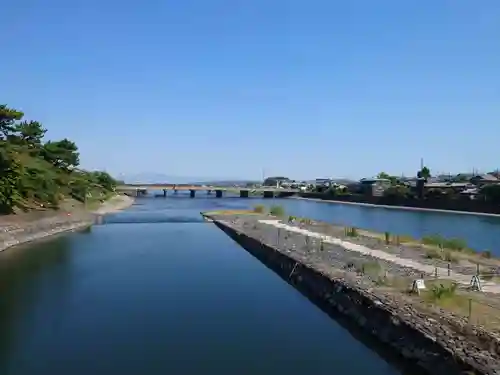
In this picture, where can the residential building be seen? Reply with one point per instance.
(374, 187)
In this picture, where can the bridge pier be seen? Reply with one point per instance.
(139, 192)
(192, 193)
(218, 193)
(164, 193)
(268, 194)
(244, 193)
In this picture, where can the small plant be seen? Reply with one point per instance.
(486, 254)
(440, 292)
(433, 254)
(351, 232)
(387, 236)
(277, 211)
(260, 209)
(449, 257)
(291, 219)
(404, 238)
(373, 269)
(433, 240)
(455, 244)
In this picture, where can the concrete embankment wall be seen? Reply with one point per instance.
(445, 205)
(436, 351)
(28, 232)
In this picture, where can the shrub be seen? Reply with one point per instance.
(387, 237)
(373, 269)
(486, 254)
(351, 232)
(433, 240)
(448, 256)
(455, 244)
(433, 254)
(443, 292)
(260, 208)
(277, 211)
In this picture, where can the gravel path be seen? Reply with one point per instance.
(462, 279)
(304, 243)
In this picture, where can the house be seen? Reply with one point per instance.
(374, 187)
(276, 181)
(484, 179)
(448, 186)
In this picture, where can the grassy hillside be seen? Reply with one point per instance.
(37, 174)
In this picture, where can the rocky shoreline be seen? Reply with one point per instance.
(29, 231)
(438, 341)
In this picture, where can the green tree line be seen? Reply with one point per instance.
(36, 173)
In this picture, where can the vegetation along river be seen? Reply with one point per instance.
(155, 290)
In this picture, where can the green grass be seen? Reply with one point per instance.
(351, 232)
(277, 211)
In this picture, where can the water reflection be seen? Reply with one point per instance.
(22, 275)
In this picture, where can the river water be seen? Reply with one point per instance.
(155, 290)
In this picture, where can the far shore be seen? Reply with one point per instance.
(371, 205)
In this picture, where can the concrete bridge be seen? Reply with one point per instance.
(244, 192)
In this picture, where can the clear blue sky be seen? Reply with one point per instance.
(225, 88)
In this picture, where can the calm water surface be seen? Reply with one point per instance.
(157, 291)
(480, 232)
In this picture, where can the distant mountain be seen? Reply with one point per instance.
(226, 182)
(152, 178)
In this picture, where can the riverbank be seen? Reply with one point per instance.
(16, 231)
(371, 287)
(117, 203)
(394, 207)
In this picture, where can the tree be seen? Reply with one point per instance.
(10, 176)
(397, 192)
(383, 175)
(62, 154)
(425, 173)
(8, 117)
(105, 180)
(34, 175)
(30, 132)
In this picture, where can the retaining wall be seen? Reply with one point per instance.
(20, 234)
(463, 205)
(416, 337)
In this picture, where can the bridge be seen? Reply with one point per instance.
(244, 192)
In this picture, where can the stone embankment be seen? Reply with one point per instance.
(16, 232)
(439, 343)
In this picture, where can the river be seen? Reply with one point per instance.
(155, 290)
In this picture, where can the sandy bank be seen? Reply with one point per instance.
(117, 203)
